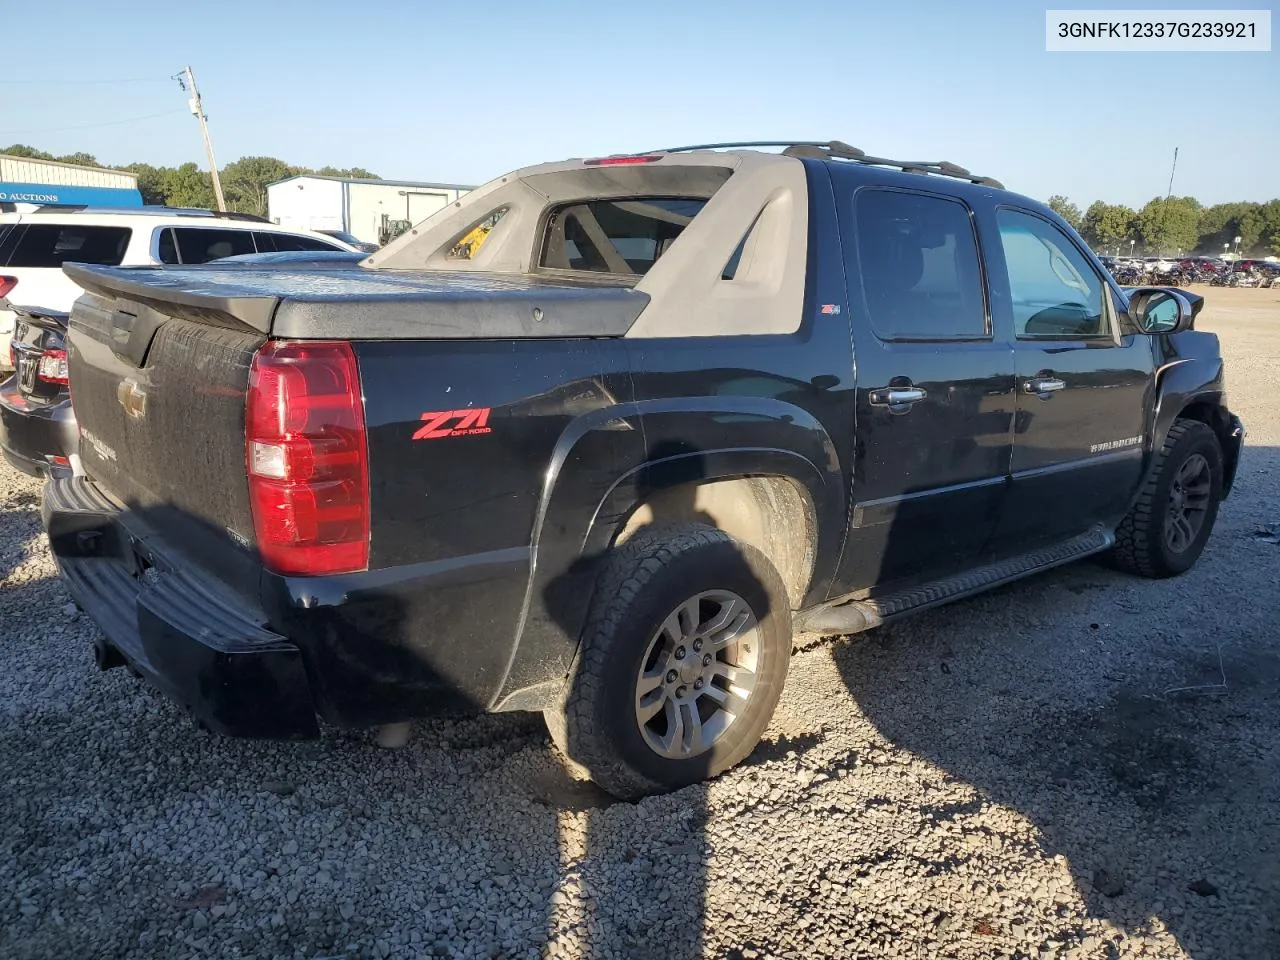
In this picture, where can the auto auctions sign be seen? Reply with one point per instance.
(60, 194)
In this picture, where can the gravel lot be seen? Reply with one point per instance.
(1082, 765)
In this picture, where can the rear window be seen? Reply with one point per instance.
(53, 244)
(286, 242)
(200, 245)
(625, 236)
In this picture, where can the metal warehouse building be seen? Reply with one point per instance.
(27, 183)
(372, 210)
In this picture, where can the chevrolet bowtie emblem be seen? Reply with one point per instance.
(133, 398)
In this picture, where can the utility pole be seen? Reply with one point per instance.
(1164, 207)
(187, 80)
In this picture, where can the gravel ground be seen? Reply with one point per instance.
(1082, 765)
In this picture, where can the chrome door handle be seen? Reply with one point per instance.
(1043, 385)
(896, 396)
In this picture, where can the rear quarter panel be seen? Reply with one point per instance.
(462, 522)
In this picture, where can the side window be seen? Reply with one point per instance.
(918, 261)
(1054, 290)
(53, 244)
(166, 248)
(200, 245)
(284, 242)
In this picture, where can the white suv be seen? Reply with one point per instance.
(34, 246)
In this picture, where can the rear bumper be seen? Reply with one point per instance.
(197, 645)
(31, 433)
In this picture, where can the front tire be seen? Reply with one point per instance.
(680, 665)
(1169, 524)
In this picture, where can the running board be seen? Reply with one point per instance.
(853, 616)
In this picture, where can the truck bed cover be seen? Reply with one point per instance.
(361, 303)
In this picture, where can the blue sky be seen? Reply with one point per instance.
(461, 93)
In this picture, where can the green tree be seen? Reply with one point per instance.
(245, 182)
(188, 186)
(1250, 228)
(151, 181)
(1067, 210)
(22, 150)
(1269, 218)
(353, 173)
(80, 159)
(1167, 225)
(1220, 224)
(1108, 225)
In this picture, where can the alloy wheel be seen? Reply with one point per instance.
(698, 674)
(1188, 503)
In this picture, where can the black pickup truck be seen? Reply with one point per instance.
(594, 440)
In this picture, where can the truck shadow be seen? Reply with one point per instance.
(1127, 767)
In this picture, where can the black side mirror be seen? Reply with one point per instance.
(1156, 310)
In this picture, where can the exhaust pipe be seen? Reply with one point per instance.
(106, 656)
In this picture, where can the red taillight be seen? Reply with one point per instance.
(305, 455)
(7, 284)
(622, 161)
(53, 367)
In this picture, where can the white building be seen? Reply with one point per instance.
(372, 210)
(26, 184)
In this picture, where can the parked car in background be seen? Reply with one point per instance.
(38, 432)
(352, 239)
(34, 246)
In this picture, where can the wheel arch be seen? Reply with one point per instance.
(774, 513)
(1191, 388)
(1210, 411)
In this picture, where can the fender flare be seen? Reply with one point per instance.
(1188, 382)
(570, 537)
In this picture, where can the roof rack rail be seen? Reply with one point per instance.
(151, 210)
(838, 150)
(233, 215)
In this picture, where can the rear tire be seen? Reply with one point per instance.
(681, 662)
(1169, 524)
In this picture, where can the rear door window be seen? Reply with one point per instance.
(53, 244)
(918, 261)
(625, 236)
(202, 244)
(286, 242)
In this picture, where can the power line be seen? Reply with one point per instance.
(100, 123)
(48, 82)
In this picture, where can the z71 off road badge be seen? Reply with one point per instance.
(468, 423)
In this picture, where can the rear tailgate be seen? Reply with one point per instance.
(160, 402)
